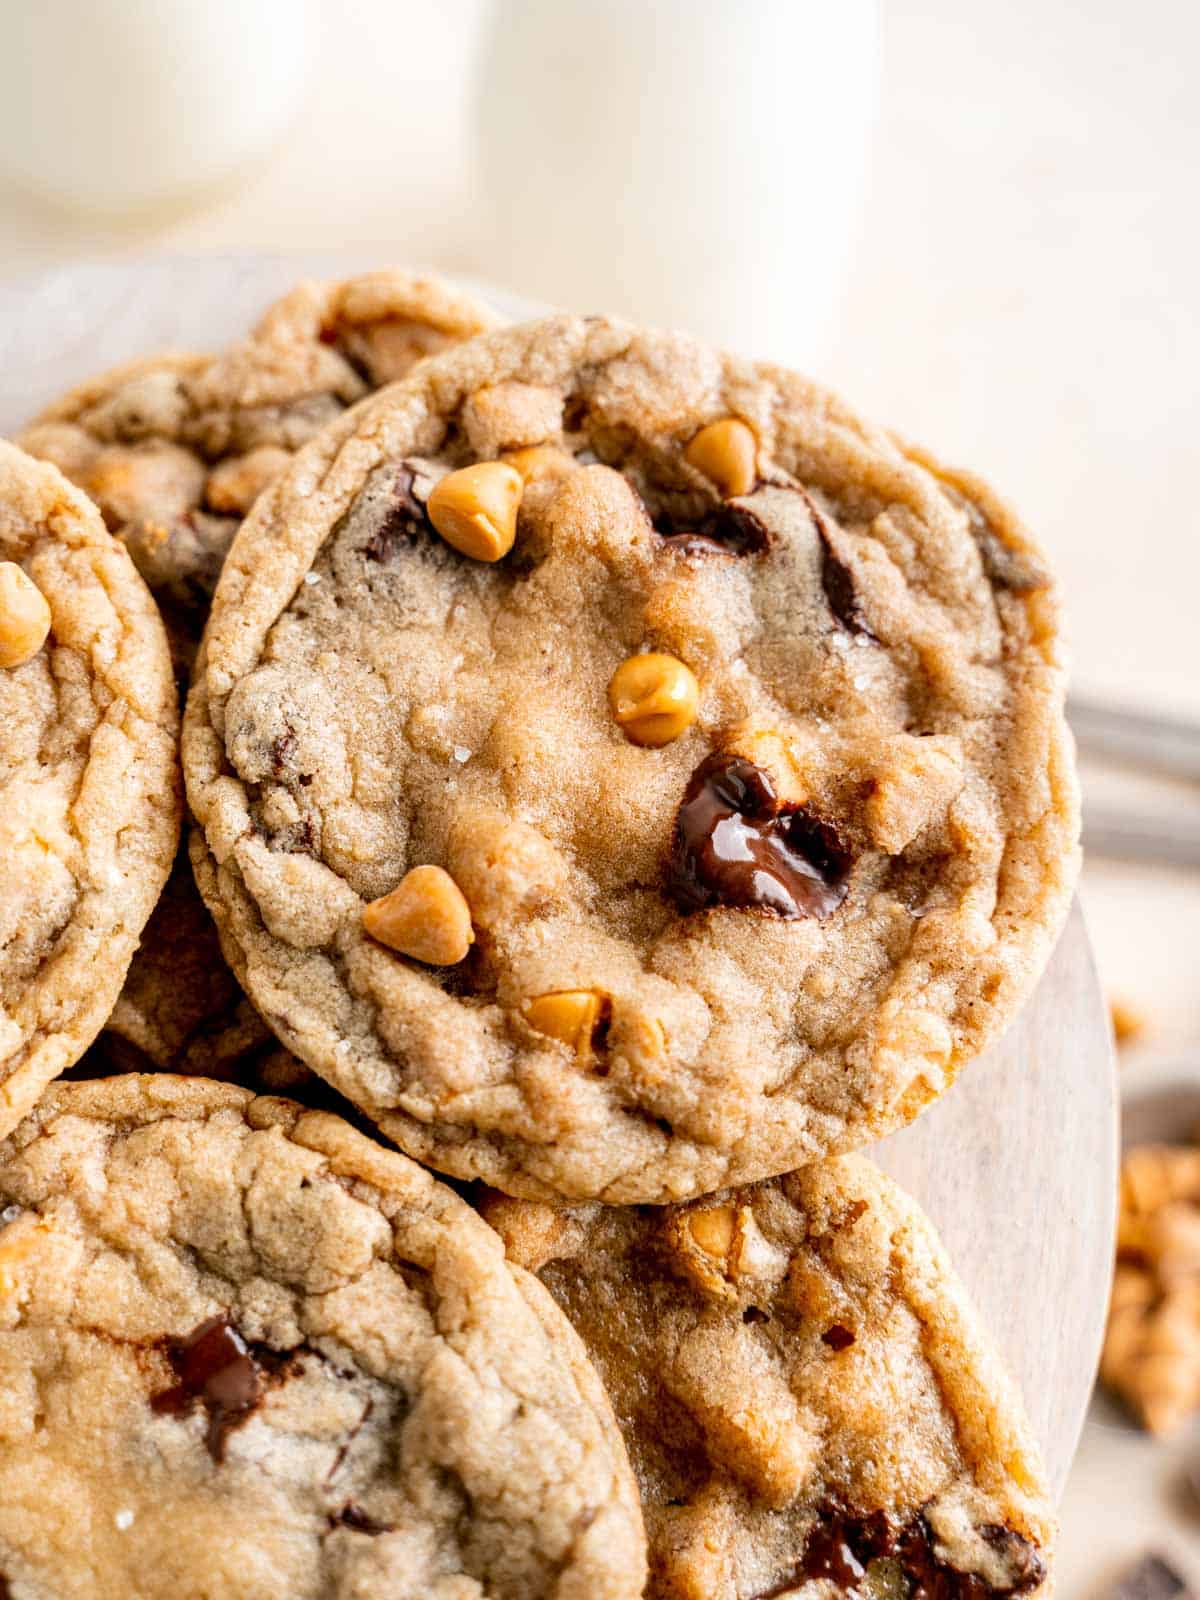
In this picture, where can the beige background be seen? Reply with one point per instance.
(1026, 297)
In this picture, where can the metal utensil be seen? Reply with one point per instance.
(1150, 742)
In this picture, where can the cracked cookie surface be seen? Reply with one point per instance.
(247, 1352)
(174, 449)
(804, 1390)
(732, 726)
(89, 782)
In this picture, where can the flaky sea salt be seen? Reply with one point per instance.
(123, 1520)
(312, 577)
(461, 754)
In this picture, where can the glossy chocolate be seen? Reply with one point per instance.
(842, 1546)
(214, 1367)
(737, 845)
(405, 521)
(725, 530)
(840, 594)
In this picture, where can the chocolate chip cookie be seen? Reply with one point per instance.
(247, 1353)
(804, 1390)
(623, 771)
(174, 449)
(89, 781)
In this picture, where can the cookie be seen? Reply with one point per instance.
(804, 1390)
(248, 1352)
(624, 772)
(173, 449)
(89, 781)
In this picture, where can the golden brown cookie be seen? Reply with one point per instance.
(623, 771)
(89, 781)
(174, 449)
(247, 1353)
(805, 1392)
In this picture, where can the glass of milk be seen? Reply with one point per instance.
(689, 163)
(118, 106)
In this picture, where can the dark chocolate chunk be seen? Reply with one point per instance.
(1006, 568)
(840, 594)
(724, 530)
(353, 1516)
(842, 1545)
(737, 845)
(831, 1555)
(837, 1337)
(1152, 1578)
(216, 1368)
(404, 520)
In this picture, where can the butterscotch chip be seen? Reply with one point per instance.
(249, 1353)
(1151, 1353)
(24, 616)
(475, 509)
(89, 782)
(654, 698)
(769, 1428)
(571, 1016)
(174, 449)
(810, 896)
(725, 452)
(713, 1230)
(425, 916)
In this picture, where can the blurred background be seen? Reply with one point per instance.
(978, 221)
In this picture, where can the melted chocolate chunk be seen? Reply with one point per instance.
(353, 1516)
(840, 594)
(837, 1337)
(1005, 567)
(725, 530)
(842, 1545)
(736, 845)
(216, 1368)
(830, 1554)
(404, 522)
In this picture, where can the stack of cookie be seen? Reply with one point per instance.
(620, 780)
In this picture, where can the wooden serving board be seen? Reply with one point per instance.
(1016, 1165)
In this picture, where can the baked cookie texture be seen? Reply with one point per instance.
(247, 1352)
(805, 1391)
(89, 780)
(174, 449)
(731, 753)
